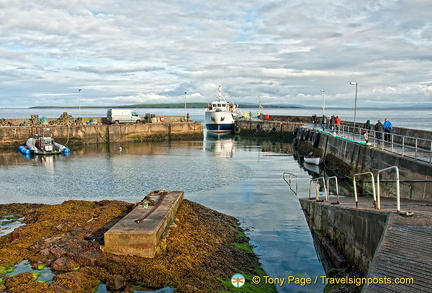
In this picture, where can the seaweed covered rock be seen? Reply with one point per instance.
(202, 248)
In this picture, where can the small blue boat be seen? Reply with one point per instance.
(43, 145)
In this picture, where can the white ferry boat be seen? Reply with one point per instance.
(220, 115)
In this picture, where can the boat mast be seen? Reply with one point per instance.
(220, 93)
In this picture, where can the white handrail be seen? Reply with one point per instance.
(316, 180)
(373, 188)
(336, 185)
(397, 185)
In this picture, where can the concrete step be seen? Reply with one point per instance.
(139, 232)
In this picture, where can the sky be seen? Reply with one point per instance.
(108, 53)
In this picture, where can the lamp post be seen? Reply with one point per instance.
(185, 93)
(355, 102)
(323, 93)
(79, 102)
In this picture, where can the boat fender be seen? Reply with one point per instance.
(311, 135)
(23, 149)
(66, 150)
(237, 130)
(305, 134)
(274, 129)
(315, 139)
(295, 132)
(258, 127)
(301, 134)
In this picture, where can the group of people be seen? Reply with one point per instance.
(379, 128)
(333, 123)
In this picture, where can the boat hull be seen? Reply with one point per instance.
(220, 128)
(312, 160)
(219, 122)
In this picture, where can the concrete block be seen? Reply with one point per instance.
(141, 238)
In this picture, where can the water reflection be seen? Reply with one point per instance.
(221, 145)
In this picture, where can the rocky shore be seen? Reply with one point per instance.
(201, 252)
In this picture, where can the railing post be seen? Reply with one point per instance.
(355, 191)
(397, 185)
(375, 203)
(337, 187)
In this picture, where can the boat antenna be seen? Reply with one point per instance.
(220, 93)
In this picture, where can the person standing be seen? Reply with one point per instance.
(365, 130)
(387, 128)
(337, 123)
(314, 120)
(323, 122)
(379, 129)
(332, 123)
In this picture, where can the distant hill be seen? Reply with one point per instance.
(167, 105)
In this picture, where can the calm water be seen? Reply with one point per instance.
(237, 176)
(416, 119)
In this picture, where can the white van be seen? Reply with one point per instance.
(116, 116)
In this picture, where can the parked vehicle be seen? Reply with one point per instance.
(116, 116)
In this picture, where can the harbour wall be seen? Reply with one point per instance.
(356, 233)
(415, 175)
(13, 136)
(275, 125)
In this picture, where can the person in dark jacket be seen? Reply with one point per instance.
(365, 130)
(379, 129)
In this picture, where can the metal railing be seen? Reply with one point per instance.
(397, 185)
(317, 187)
(289, 181)
(330, 179)
(408, 146)
(376, 191)
(373, 187)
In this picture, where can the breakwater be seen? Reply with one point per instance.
(415, 175)
(13, 136)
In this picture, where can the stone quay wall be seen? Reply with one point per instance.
(355, 232)
(13, 136)
(415, 176)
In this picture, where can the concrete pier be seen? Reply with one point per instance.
(392, 249)
(139, 232)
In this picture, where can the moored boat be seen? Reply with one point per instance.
(312, 159)
(220, 115)
(43, 145)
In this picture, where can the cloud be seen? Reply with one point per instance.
(148, 52)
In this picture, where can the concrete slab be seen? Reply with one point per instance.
(140, 231)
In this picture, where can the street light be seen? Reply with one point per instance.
(185, 93)
(79, 102)
(355, 102)
(323, 93)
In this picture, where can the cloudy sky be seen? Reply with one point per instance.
(128, 52)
